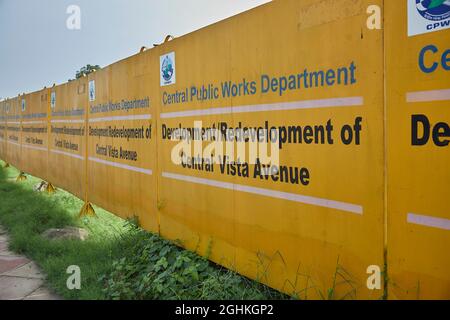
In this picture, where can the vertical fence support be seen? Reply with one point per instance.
(87, 209)
(50, 188)
(21, 177)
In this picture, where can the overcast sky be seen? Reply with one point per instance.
(37, 49)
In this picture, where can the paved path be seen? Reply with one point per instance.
(20, 278)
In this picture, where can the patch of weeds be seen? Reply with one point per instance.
(157, 269)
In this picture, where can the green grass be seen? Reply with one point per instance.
(119, 260)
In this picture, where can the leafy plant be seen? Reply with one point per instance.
(157, 269)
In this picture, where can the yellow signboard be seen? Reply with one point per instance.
(67, 136)
(121, 139)
(316, 214)
(418, 152)
(3, 140)
(34, 141)
(298, 143)
(13, 131)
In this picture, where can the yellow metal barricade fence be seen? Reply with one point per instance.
(3, 129)
(418, 157)
(34, 134)
(352, 116)
(67, 136)
(13, 132)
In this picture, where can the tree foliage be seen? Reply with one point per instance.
(84, 71)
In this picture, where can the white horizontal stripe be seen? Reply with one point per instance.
(356, 209)
(122, 118)
(34, 147)
(67, 121)
(33, 122)
(282, 106)
(14, 143)
(121, 166)
(13, 122)
(76, 156)
(429, 221)
(427, 96)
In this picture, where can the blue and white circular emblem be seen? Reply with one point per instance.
(167, 68)
(434, 10)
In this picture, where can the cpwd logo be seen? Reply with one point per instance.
(434, 10)
(167, 67)
(425, 16)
